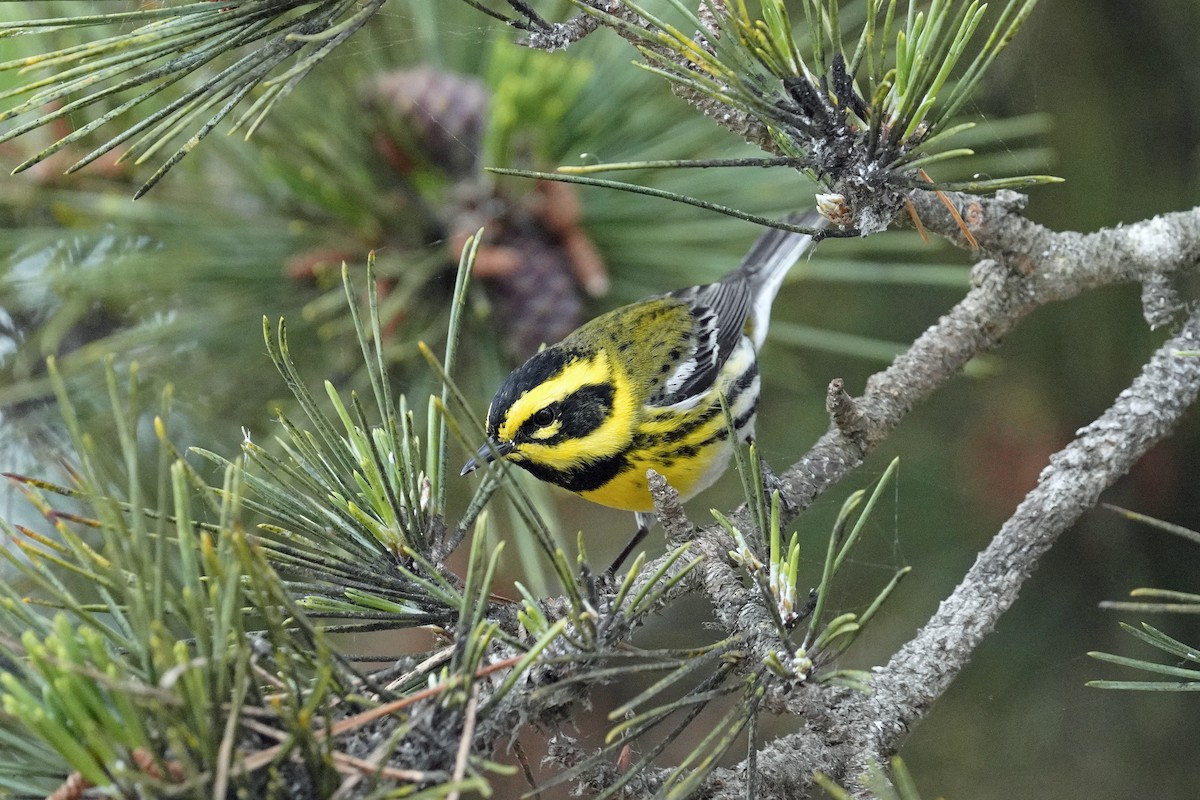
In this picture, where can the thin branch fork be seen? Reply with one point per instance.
(1140, 417)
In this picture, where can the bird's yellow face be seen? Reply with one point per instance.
(565, 415)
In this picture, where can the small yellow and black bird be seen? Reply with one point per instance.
(639, 388)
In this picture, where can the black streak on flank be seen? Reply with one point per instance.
(584, 410)
(744, 419)
(742, 384)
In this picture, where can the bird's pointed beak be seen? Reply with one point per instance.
(490, 451)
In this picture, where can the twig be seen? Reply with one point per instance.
(844, 411)
(362, 767)
(465, 741)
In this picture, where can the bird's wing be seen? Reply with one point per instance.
(719, 313)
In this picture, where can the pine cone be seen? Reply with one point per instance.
(438, 117)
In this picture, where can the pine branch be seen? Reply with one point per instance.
(864, 132)
(266, 46)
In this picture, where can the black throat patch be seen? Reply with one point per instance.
(583, 478)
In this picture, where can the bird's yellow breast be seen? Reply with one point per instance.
(689, 447)
(630, 491)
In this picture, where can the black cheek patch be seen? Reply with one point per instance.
(584, 410)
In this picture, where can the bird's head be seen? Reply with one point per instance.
(558, 410)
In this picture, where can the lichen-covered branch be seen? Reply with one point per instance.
(1102, 452)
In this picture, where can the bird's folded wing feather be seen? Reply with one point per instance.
(719, 312)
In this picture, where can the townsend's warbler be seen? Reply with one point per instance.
(638, 388)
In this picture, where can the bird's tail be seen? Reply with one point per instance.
(768, 262)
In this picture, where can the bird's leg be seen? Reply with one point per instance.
(644, 520)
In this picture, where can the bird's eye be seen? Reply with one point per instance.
(544, 416)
